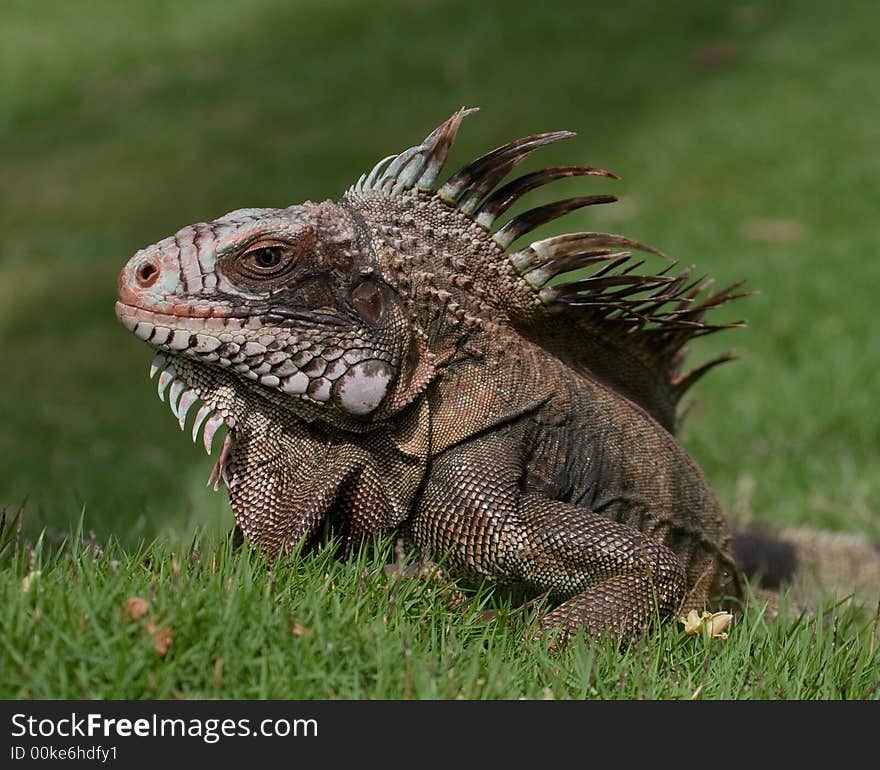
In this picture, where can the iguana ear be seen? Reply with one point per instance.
(368, 300)
(373, 383)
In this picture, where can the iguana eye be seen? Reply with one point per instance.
(268, 256)
(265, 261)
(263, 258)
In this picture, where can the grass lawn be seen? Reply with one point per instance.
(748, 141)
(211, 623)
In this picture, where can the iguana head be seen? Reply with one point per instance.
(284, 303)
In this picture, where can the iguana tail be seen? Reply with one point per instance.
(814, 563)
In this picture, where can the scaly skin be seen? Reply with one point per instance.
(385, 364)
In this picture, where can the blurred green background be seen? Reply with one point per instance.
(747, 135)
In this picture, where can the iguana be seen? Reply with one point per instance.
(394, 362)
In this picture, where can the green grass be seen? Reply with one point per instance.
(322, 628)
(746, 136)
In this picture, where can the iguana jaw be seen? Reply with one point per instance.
(306, 362)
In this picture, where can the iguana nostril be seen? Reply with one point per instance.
(147, 273)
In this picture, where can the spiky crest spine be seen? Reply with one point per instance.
(576, 283)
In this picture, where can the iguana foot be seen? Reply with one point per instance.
(620, 607)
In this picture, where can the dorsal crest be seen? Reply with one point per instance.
(582, 296)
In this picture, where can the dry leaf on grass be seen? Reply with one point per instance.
(137, 607)
(297, 629)
(162, 637)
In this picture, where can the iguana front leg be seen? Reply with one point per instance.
(284, 491)
(611, 578)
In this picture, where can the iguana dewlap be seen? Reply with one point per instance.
(401, 360)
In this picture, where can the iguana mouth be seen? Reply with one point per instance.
(220, 340)
(132, 316)
(356, 377)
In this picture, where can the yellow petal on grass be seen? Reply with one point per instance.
(717, 622)
(693, 622)
(713, 622)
